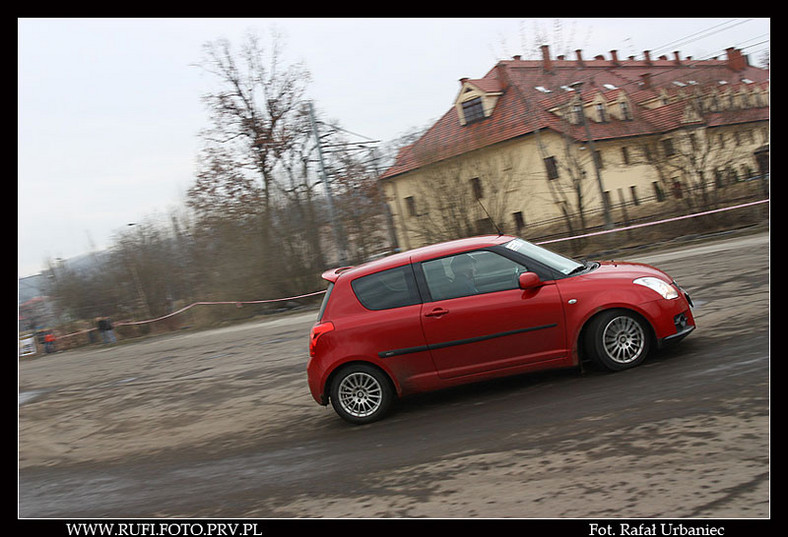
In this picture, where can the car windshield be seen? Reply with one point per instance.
(562, 264)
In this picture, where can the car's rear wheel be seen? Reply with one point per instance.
(361, 394)
(618, 339)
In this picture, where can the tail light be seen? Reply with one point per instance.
(317, 331)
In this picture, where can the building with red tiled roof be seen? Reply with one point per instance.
(516, 140)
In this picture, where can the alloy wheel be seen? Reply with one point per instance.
(623, 339)
(360, 394)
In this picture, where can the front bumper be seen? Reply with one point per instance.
(678, 336)
(683, 321)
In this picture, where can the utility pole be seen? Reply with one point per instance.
(336, 226)
(592, 147)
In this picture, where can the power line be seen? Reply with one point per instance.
(692, 37)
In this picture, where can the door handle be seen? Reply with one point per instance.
(437, 312)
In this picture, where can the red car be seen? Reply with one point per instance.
(479, 308)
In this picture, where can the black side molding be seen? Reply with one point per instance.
(435, 346)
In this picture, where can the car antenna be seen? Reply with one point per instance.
(490, 217)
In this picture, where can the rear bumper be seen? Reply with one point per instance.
(314, 379)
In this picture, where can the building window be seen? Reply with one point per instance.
(658, 191)
(519, 221)
(626, 113)
(476, 186)
(678, 191)
(552, 168)
(598, 160)
(634, 191)
(410, 203)
(485, 226)
(647, 152)
(719, 179)
(625, 155)
(473, 110)
(667, 145)
(601, 113)
(577, 114)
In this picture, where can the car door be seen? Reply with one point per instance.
(477, 319)
(388, 329)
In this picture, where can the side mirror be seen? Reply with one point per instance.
(529, 280)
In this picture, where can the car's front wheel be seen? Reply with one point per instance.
(618, 339)
(361, 394)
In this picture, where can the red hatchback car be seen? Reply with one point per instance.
(479, 308)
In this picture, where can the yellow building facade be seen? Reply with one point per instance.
(555, 140)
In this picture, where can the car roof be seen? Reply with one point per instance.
(418, 254)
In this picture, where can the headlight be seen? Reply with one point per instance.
(665, 290)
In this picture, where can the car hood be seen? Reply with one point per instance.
(630, 271)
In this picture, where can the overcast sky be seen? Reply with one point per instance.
(109, 109)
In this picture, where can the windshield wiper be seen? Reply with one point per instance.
(577, 269)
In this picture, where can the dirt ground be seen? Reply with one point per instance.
(683, 436)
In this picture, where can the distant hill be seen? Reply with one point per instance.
(34, 286)
(31, 287)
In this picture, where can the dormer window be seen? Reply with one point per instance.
(601, 113)
(577, 113)
(626, 113)
(473, 110)
(477, 99)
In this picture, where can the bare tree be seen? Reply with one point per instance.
(257, 117)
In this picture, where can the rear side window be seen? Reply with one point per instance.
(325, 301)
(393, 288)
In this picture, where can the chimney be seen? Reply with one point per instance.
(502, 74)
(547, 63)
(463, 80)
(676, 57)
(614, 56)
(735, 60)
(579, 54)
(647, 56)
(516, 57)
(645, 79)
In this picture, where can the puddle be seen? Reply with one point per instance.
(26, 397)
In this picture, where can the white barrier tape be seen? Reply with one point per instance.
(239, 303)
(655, 223)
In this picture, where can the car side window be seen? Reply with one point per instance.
(393, 288)
(470, 274)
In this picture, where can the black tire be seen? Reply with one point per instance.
(361, 394)
(618, 340)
